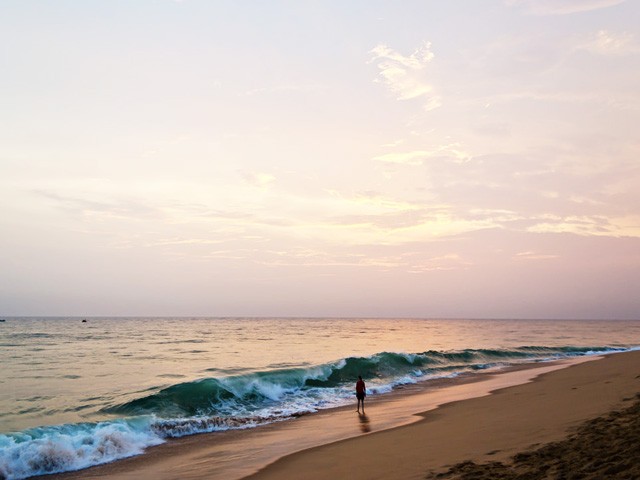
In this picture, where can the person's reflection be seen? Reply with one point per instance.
(364, 423)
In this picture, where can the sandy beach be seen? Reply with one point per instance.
(442, 432)
(486, 429)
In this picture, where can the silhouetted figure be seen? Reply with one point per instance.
(361, 392)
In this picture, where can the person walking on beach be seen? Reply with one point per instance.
(361, 392)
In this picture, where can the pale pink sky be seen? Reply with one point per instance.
(325, 158)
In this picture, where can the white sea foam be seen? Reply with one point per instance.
(72, 447)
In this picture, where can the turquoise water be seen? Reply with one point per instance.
(75, 394)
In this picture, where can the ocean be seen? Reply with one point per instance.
(80, 392)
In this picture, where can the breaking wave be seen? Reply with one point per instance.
(241, 401)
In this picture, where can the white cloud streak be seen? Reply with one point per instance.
(258, 179)
(608, 43)
(404, 75)
(453, 152)
(561, 7)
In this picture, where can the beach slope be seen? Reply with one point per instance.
(487, 429)
(469, 429)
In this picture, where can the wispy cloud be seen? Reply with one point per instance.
(567, 97)
(451, 151)
(100, 207)
(405, 75)
(604, 42)
(415, 157)
(561, 7)
(411, 262)
(258, 179)
(449, 261)
(285, 89)
(593, 225)
(532, 255)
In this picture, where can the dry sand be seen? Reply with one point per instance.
(453, 440)
(605, 447)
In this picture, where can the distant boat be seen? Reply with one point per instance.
(84, 320)
(2, 320)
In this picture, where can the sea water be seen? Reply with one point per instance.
(79, 392)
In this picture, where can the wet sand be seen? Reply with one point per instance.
(488, 429)
(460, 422)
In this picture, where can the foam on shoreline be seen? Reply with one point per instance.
(246, 401)
(235, 454)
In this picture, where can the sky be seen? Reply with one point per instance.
(440, 159)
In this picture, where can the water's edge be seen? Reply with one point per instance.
(274, 441)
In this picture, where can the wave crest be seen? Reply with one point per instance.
(248, 394)
(241, 401)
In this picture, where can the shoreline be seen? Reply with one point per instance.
(256, 452)
(482, 430)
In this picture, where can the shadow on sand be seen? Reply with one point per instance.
(365, 426)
